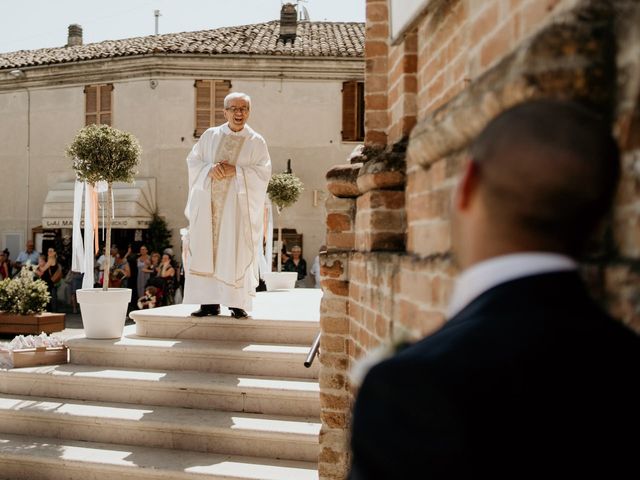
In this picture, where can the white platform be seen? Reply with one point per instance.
(282, 316)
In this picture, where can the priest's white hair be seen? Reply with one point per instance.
(235, 95)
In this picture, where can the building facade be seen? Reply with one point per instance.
(436, 72)
(166, 89)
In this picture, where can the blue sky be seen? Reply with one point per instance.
(31, 24)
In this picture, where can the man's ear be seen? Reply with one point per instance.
(467, 186)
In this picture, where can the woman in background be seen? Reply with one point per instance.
(50, 272)
(5, 266)
(297, 264)
(143, 262)
(120, 272)
(168, 274)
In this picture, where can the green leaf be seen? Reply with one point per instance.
(284, 189)
(104, 153)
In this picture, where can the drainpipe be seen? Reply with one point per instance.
(28, 156)
(20, 75)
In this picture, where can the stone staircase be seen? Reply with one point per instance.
(177, 397)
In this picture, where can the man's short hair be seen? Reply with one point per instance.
(548, 169)
(237, 95)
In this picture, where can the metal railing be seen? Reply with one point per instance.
(313, 351)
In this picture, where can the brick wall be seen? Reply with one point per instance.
(459, 40)
(388, 272)
(402, 82)
(376, 49)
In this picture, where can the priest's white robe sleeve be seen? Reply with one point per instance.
(251, 185)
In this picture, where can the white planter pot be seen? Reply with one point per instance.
(103, 312)
(280, 280)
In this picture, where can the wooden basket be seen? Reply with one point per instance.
(31, 357)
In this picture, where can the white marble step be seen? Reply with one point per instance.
(278, 317)
(245, 358)
(270, 436)
(190, 389)
(33, 458)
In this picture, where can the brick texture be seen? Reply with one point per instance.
(389, 272)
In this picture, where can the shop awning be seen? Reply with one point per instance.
(135, 204)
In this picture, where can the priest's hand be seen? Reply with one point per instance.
(222, 170)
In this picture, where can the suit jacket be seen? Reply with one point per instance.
(531, 378)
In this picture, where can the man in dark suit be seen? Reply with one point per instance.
(529, 376)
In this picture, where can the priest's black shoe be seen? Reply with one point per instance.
(238, 313)
(207, 310)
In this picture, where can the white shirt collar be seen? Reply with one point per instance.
(482, 276)
(246, 130)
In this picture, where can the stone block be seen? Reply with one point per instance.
(342, 180)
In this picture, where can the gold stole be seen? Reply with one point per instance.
(228, 149)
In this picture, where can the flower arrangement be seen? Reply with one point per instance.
(101, 153)
(24, 294)
(284, 190)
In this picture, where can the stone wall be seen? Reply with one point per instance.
(388, 271)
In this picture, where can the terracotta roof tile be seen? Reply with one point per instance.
(314, 39)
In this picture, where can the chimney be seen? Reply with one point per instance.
(75, 35)
(288, 22)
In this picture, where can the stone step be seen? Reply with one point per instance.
(244, 358)
(277, 325)
(32, 458)
(190, 389)
(231, 433)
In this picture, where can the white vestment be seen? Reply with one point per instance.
(224, 238)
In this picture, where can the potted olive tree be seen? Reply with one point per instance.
(101, 153)
(284, 190)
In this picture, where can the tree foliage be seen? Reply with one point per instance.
(284, 189)
(104, 153)
(159, 234)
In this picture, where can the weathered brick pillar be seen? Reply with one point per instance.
(335, 397)
(403, 88)
(365, 240)
(621, 288)
(376, 47)
(380, 244)
(380, 221)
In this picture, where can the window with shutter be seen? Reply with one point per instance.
(353, 111)
(210, 104)
(98, 104)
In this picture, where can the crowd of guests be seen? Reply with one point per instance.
(46, 267)
(155, 278)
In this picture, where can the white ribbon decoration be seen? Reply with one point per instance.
(87, 280)
(269, 246)
(82, 251)
(77, 256)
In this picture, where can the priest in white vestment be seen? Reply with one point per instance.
(229, 170)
